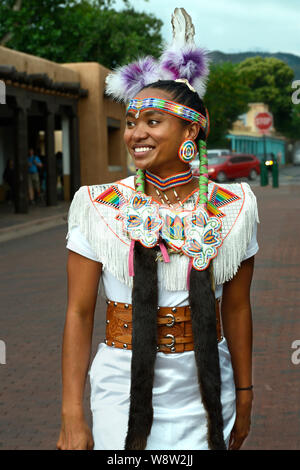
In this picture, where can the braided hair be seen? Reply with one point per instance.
(144, 313)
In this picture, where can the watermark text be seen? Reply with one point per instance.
(296, 94)
(2, 92)
(2, 352)
(296, 354)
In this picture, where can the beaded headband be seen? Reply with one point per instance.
(170, 107)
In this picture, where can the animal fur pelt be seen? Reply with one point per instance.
(144, 344)
(203, 313)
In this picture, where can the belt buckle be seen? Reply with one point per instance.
(170, 315)
(171, 345)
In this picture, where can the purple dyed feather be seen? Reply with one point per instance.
(128, 80)
(190, 63)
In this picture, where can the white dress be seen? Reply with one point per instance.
(179, 415)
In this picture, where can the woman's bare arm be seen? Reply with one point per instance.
(83, 280)
(237, 327)
(237, 322)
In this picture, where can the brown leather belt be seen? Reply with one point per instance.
(174, 327)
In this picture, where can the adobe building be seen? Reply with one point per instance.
(61, 112)
(246, 138)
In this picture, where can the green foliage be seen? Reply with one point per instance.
(290, 59)
(293, 130)
(79, 31)
(269, 81)
(226, 98)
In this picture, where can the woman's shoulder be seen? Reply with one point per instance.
(109, 190)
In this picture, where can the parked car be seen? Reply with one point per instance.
(217, 152)
(210, 154)
(233, 166)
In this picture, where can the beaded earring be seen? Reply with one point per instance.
(187, 151)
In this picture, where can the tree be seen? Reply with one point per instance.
(226, 98)
(269, 81)
(79, 31)
(293, 130)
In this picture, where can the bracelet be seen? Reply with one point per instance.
(244, 388)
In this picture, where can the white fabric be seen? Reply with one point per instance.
(113, 289)
(179, 416)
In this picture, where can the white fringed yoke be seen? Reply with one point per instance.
(98, 220)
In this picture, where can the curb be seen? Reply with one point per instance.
(37, 225)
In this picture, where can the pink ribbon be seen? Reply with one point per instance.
(189, 273)
(164, 252)
(130, 259)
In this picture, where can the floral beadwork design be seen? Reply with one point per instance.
(141, 219)
(172, 230)
(192, 233)
(202, 238)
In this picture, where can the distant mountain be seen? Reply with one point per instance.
(290, 59)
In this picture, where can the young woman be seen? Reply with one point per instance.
(167, 249)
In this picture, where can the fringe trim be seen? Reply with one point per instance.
(109, 250)
(112, 249)
(234, 246)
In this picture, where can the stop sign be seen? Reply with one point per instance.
(263, 121)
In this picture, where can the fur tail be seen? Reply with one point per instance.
(144, 344)
(203, 311)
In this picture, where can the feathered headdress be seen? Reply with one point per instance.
(182, 60)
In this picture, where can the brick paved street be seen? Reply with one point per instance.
(33, 291)
(276, 307)
(33, 303)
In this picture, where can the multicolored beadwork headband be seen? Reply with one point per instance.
(170, 107)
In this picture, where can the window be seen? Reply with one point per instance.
(212, 154)
(114, 144)
(241, 159)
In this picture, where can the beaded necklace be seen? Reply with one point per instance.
(171, 181)
(203, 178)
(167, 200)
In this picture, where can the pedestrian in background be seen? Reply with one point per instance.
(34, 163)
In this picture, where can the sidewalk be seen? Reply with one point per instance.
(40, 217)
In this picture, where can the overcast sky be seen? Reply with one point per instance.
(234, 25)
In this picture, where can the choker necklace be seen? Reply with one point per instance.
(171, 181)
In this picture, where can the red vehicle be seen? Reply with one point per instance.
(228, 167)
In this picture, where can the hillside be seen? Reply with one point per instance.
(291, 59)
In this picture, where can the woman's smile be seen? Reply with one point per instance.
(142, 150)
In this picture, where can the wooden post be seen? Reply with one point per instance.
(51, 193)
(74, 154)
(21, 157)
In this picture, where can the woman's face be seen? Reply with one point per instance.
(153, 139)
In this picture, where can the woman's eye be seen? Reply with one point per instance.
(153, 122)
(129, 123)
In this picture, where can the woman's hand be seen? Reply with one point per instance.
(242, 423)
(75, 434)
